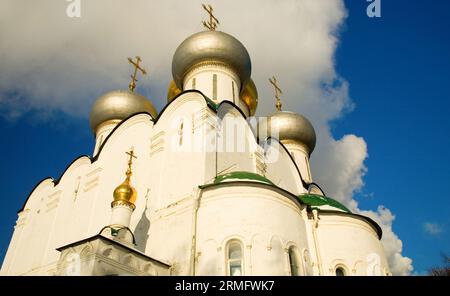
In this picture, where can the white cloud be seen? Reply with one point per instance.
(52, 63)
(347, 155)
(393, 246)
(433, 228)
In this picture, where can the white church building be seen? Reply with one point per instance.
(200, 188)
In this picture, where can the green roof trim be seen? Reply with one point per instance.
(315, 201)
(211, 103)
(242, 176)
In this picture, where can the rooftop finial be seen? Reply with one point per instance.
(137, 67)
(278, 92)
(213, 21)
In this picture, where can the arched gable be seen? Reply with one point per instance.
(281, 168)
(49, 183)
(236, 144)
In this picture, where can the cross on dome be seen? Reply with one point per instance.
(137, 67)
(278, 92)
(213, 21)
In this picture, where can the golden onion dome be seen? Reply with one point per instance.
(119, 105)
(172, 91)
(289, 126)
(211, 46)
(249, 95)
(125, 193)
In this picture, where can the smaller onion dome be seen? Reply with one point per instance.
(125, 193)
(290, 127)
(211, 46)
(119, 105)
(172, 91)
(249, 96)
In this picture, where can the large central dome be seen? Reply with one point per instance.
(211, 46)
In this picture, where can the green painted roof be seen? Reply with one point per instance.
(242, 176)
(315, 201)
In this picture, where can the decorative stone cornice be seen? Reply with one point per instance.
(122, 203)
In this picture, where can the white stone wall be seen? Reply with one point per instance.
(102, 133)
(266, 222)
(301, 157)
(348, 242)
(281, 169)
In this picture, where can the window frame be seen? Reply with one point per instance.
(340, 267)
(228, 261)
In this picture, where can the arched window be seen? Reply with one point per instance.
(235, 261)
(293, 261)
(340, 271)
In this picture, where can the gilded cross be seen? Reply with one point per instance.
(130, 161)
(213, 21)
(137, 67)
(278, 92)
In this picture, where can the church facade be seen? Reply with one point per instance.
(200, 188)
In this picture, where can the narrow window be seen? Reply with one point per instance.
(215, 87)
(193, 83)
(180, 134)
(234, 258)
(340, 271)
(293, 261)
(234, 97)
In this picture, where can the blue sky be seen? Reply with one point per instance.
(398, 69)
